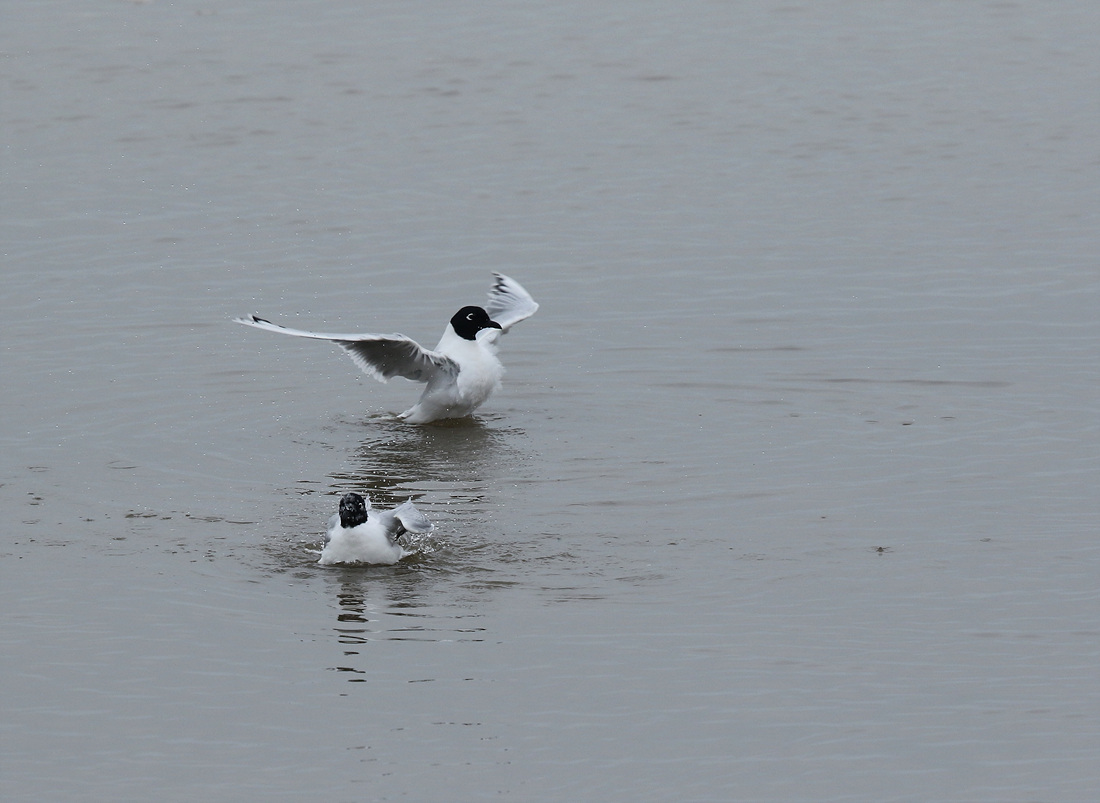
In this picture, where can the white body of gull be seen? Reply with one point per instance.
(460, 373)
(359, 534)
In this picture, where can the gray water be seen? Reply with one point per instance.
(791, 492)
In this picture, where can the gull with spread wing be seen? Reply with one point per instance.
(460, 373)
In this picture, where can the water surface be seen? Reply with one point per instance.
(790, 492)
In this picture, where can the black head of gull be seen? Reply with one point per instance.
(353, 511)
(468, 321)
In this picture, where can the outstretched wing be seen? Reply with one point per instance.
(380, 356)
(412, 519)
(508, 302)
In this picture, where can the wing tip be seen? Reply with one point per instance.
(253, 320)
(501, 280)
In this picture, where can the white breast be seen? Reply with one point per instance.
(367, 543)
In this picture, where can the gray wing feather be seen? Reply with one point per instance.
(508, 302)
(412, 519)
(385, 356)
(380, 356)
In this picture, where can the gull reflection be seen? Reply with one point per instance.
(361, 615)
(454, 459)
